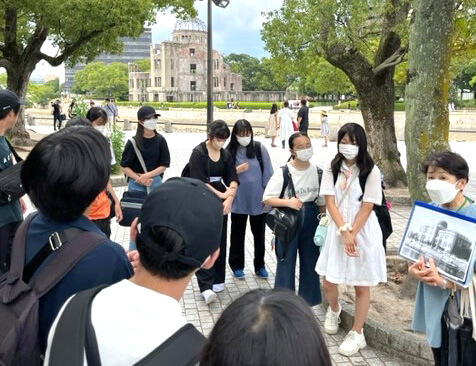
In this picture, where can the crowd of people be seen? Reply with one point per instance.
(98, 304)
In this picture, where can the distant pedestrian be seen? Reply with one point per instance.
(71, 109)
(303, 117)
(11, 214)
(254, 169)
(325, 128)
(111, 112)
(286, 128)
(57, 114)
(273, 125)
(154, 150)
(266, 327)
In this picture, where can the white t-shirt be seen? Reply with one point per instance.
(130, 321)
(306, 184)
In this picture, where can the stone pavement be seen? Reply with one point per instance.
(203, 316)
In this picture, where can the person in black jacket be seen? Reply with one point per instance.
(213, 165)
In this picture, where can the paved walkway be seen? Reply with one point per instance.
(203, 316)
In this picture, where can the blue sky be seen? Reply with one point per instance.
(236, 29)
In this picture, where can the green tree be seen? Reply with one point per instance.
(363, 39)
(105, 80)
(144, 65)
(247, 66)
(80, 29)
(427, 118)
(42, 94)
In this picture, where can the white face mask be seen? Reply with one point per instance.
(349, 151)
(244, 141)
(100, 128)
(441, 191)
(150, 124)
(305, 155)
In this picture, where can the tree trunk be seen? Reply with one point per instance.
(427, 91)
(18, 78)
(377, 105)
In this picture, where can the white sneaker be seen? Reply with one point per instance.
(209, 296)
(331, 324)
(353, 342)
(218, 287)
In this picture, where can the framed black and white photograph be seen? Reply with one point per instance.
(446, 236)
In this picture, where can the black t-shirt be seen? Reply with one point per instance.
(56, 109)
(209, 171)
(304, 114)
(155, 153)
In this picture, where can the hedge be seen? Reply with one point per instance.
(352, 105)
(203, 105)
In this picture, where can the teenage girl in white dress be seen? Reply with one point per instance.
(353, 253)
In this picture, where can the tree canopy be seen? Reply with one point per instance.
(102, 80)
(79, 29)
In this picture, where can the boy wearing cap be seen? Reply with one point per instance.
(154, 150)
(11, 214)
(177, 232)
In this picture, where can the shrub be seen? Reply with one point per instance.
(117, 140)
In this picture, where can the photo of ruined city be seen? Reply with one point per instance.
(446, 238)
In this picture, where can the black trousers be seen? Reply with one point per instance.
(7, 234)
(57, 120)
(208, 277)
(303, 128)
(104, 225)
(236, 259)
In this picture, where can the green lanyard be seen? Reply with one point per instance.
(466, 199)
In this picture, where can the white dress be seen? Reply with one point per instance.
(369, 268)
(286, 128)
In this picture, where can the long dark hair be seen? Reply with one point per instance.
(139, 136)
(242, 125)
(266, 327)
(274, 108)
(365, 162)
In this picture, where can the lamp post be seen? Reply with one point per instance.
(221, 4)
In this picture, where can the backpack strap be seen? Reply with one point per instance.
(181, 348)
(69, 340)
(15, 154)
(285, 179)
(17, 262)
(66, 258)
(140, 157)
(259, 155)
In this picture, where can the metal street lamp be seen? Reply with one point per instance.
(221, 4)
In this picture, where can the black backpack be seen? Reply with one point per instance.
(11, 188)
(382, 212)
(75, 336)
(19, 297)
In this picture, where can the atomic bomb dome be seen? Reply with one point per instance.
(194, 25)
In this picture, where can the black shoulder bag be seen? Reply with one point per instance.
(11, 188)
(283, 221)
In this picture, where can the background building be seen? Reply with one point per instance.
(178, 69)
(134, 50)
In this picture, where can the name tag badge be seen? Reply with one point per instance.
(215, 179)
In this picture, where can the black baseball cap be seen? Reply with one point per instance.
(189, 207)
(146, 112)
(9, 100)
